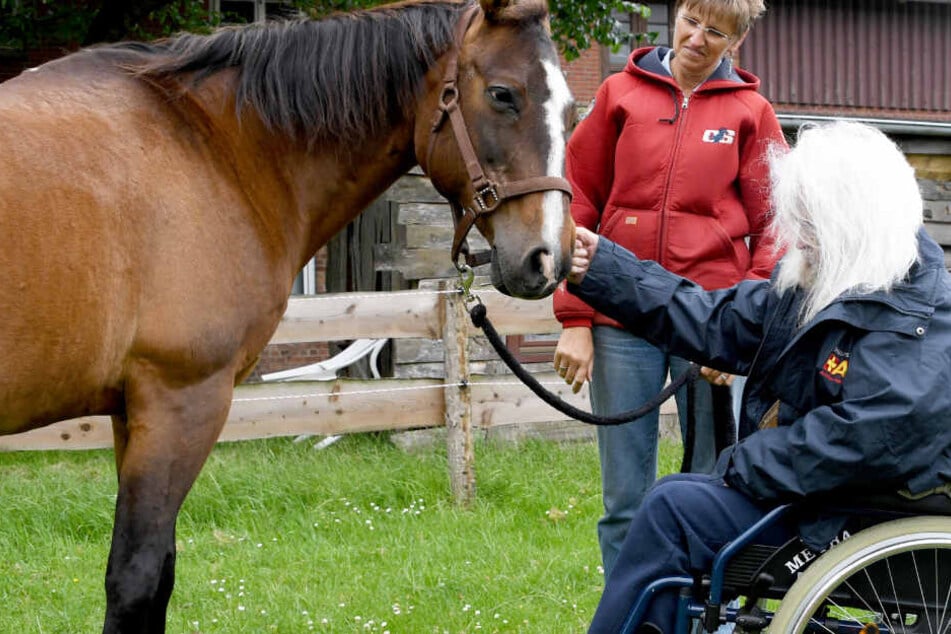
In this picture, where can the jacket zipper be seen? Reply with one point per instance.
(662, 232)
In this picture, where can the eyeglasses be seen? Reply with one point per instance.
(709, 33)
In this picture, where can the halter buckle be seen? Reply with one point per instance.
(487, 198)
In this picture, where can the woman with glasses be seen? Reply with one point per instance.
(669, 163)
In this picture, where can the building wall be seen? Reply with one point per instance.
(891, 56)
(584, 75)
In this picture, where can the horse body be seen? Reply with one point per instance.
(125, 251)
(154, 210)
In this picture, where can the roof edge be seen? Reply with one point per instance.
(889, 126)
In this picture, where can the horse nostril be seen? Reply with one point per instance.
(541, 262)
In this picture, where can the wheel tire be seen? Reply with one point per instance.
(830, 570)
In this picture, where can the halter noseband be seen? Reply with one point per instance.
(487, 194)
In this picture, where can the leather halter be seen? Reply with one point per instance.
(487, 194)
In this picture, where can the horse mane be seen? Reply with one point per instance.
(346, 77)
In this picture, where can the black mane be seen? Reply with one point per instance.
(346, 77)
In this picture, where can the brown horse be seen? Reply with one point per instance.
(157, 200)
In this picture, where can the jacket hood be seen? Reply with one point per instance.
(916, 295)
(907, 308)
(649, 62)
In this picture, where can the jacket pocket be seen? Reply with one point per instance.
(699, 248)
(634, 229)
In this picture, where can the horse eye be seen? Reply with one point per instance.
(502, 99)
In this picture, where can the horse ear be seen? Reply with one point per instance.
(493, 8)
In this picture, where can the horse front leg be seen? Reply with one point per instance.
(167, 435)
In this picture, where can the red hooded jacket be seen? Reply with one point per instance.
(684, 183)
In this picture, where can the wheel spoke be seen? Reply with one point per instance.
(944, 626)
(844, 613)
(921, 590)
(891, 579)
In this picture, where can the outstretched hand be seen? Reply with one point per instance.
(586, 243)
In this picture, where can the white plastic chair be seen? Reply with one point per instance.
(327, 371)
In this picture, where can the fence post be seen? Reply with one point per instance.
(458, 395)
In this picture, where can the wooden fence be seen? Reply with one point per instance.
(460, 401)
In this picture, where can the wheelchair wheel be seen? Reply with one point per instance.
(893, 577)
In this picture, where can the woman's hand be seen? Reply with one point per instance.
(715, 377)
(586, 243)
(574, 356)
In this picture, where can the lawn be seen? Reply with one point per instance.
(359, 537)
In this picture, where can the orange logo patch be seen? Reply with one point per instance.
(835, 368)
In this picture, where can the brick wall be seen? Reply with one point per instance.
(584, 75)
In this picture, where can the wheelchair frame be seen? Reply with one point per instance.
(826, 580)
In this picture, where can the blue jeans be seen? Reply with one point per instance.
(684, 520)
(628, 371)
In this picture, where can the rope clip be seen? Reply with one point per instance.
(466, 277)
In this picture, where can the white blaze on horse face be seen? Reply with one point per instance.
(559, 98)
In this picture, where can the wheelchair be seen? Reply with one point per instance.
(891, 576)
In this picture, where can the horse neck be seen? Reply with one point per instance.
(303, 193)
(334, 184)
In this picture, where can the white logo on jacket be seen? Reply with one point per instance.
(721, 135)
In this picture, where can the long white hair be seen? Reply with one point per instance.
(847, 209)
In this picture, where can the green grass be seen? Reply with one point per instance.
(360, 537)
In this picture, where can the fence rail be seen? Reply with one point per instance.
(264, 410)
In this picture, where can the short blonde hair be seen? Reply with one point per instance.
(745, 12)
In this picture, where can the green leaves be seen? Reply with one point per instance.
(576, 24)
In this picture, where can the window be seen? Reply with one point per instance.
(533, 348)
(654, 30)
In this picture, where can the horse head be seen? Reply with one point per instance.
(495, 145)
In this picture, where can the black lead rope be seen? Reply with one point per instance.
(481, 320)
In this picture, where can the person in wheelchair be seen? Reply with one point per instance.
(847, 348)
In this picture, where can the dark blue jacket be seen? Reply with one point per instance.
(863, 389)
